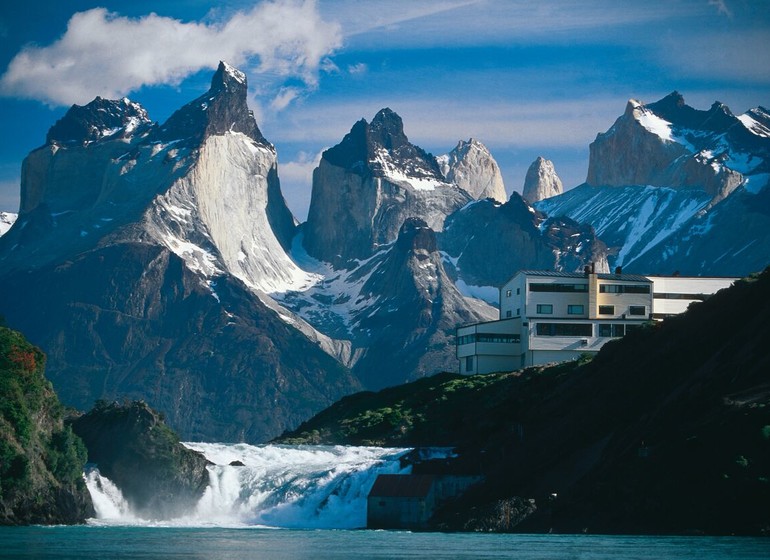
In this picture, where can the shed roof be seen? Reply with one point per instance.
(402, 485)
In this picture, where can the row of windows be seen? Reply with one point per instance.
(624, 288)
(636, 310)
(488, 337)
(665, 295)
(558, 287)
(582, 329)
(547, 309)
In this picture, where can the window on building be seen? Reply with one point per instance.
(637, 310)
(468, 363)
(508, 313)
(507, 293)
(606, 310)
(545, 308)
(557, 287)
(574, 310)
(564, 329)
(488, 337)
(518, 311)
(624, 288)
(608, 330)
(518, 291)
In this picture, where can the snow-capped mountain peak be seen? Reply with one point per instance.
(387, 179)
(471, 166)
(541, 181)
(221, 109)
(101, 118)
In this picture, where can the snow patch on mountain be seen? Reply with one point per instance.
(396, 175)
(215, 216)
(7, 219)
(633, 219)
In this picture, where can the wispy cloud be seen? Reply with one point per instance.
(720, 55)
(721, 7)
(442, 23)
(104, 53)
(439, 123)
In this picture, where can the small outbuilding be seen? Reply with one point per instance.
(401, 501)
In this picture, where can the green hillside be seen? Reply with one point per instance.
(41, 460)
(664, 431)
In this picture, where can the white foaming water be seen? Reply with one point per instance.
(278, 486)
(109, 503)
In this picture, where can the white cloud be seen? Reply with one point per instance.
(104, 53)
(284, 98)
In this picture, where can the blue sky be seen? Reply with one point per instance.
(526, 78)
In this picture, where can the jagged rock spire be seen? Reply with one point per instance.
(471, 167)
(221, 109)
(541, 181)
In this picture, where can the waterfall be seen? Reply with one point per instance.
(277, 486)
(109, 503)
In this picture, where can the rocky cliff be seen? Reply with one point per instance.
(671, 188)
(41, 460)
(541, 181)
(367, 185)
(523, 238)
(669, 144)
(471, 167)
(413, 289)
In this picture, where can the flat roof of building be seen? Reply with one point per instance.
(581, 275)
(402, 485)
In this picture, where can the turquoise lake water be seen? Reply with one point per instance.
(102, 542)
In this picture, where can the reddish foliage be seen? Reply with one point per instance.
(25, 359)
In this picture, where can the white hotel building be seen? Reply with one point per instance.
(557, 316)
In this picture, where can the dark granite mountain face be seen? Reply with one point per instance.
(367, 185)
(131, 320)
(358, 150)
(142, 232)
(417, 309)
(220, 110)
(523, 238)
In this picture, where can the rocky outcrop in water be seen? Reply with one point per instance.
(132, 446)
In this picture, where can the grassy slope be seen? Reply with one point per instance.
(667, 430)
